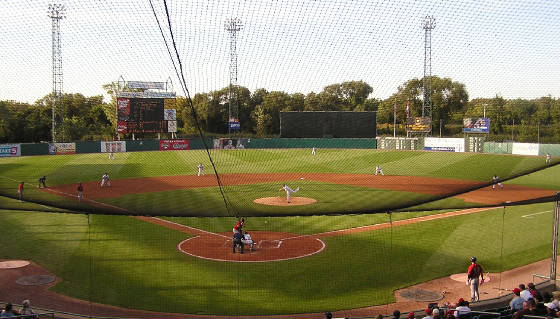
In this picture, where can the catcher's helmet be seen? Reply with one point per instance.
(473, 259)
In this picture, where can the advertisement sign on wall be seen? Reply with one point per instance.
(525, 149)
(170, 114)
(476, 125)
(10, 150)
(418, 124)
(444, 144)
(174, 145)
(113, 147)
(62, 148)
(122, 128)
(172, 126)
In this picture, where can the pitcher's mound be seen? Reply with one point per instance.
(281, 201)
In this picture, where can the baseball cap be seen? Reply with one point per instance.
(473, 258)
(435, 311)
(516, 291)
(461, 300)
(428, 311)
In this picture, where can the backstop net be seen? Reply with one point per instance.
(126, 191)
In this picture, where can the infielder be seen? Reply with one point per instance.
(313, 151)
(42, 182)
(200, 169)
(288, 191)
(105, 180)
(379, 170)
(496, 180)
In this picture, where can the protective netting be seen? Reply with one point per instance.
(307, 123)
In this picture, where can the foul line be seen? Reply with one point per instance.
(534, 214)
(189, 228)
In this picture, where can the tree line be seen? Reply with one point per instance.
(91, 118)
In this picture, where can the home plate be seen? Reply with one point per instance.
(463, 277)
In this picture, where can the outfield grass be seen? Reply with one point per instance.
(68, 169)
(126, 262)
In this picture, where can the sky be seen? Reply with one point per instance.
(506, 48)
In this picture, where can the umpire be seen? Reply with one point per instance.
(237, 242)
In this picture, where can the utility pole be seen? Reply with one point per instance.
(56, 12)
(233, 26)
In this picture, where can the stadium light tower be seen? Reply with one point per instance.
(428, 24)
(56, 12)
(233, 26)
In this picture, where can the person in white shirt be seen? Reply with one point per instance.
(200, 169)
(289, 191)
(247, 240)
(378, 170)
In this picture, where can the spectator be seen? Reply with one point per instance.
(379, 316)
(462, 310)
(556, 299)
(27, 311)
(428, 314)
(517, 302)
(528, 309)
(449, 314)
(396, 314)
(411, 315)
(9, 312)
(525, 294)
(550, 309)
(435, 313)
(534, 292)
(328, 315)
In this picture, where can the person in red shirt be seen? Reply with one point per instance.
(80, 190)
(20, 191)
(238, 228)
(473, 273)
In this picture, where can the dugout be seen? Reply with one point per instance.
(335, 124)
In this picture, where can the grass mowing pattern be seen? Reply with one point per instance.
(136, 265)
(68, 169)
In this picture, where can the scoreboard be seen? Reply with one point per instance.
(146, 115)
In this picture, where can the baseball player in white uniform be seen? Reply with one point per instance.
(105, 180)
(289, 191)
(496, 180)
(247, 240)
(548, 158)
(200, 169)
(379, 170)
(313, 151)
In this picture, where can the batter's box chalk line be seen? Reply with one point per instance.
(269, 244)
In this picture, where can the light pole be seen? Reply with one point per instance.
(56, 12)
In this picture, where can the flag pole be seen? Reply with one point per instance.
(395, 120)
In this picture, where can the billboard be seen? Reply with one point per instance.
(444, 144)
(174, 145)
(230, 143)
(234, 125)
(62, 148)
(476, 125)
(525, 149)
(7, 150)
(113, 147)
(418, 124)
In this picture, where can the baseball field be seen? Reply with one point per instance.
(312, 262)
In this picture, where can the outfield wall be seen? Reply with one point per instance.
(397, 143)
